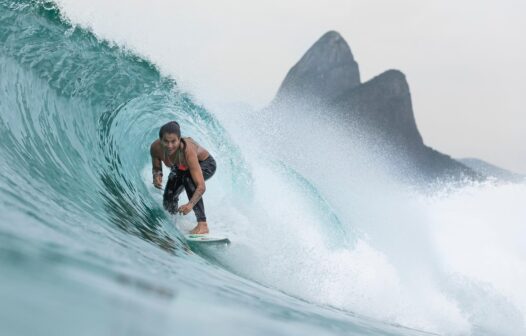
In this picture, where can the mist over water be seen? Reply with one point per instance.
(373, 245)
(326, 240)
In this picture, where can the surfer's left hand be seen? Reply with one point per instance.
(185, 209)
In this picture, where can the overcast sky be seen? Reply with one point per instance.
(464, 60)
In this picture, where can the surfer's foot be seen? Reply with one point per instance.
(201, 228)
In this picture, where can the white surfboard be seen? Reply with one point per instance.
(206, 239)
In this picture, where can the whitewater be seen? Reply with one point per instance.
(326, 240)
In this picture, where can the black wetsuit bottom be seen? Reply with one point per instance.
(179, 179)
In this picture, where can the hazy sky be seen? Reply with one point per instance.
(464, 60)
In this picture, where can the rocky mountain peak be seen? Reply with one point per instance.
(324, 72)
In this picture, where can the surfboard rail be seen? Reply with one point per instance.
(206, 239)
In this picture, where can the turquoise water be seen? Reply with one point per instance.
(86, 248)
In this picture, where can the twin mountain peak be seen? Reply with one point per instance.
(327, 80)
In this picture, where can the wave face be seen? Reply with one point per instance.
(324, 243)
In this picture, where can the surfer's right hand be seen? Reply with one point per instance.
(158, 181)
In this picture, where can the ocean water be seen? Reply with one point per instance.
(325, 240)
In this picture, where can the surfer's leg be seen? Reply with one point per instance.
(208, 167)
(199, 207)
(172, 190)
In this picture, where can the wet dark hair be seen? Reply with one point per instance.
(170, 127)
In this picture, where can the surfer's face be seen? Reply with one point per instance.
(170, 141)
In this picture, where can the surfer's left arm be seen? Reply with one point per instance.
(157, 169)
(197, 177)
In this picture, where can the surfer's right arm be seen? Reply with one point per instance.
(157, 168)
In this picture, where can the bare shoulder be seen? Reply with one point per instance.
(191, 146)
(191, 151)
(155, 148)
(200, 152)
